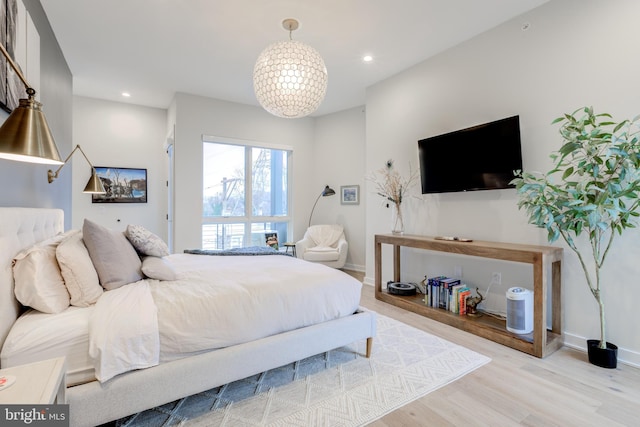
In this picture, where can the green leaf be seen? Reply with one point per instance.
(619, 126)
(569, 147)
(567, 173)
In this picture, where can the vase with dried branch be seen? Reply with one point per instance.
(393, 187)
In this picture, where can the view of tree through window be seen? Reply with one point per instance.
(223, 171)
(245, 196)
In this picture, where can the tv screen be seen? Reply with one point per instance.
(481, 157)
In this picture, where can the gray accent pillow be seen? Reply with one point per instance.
(158, 268)
(113, 257)
(145, 242)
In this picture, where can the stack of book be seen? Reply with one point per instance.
(448, 294)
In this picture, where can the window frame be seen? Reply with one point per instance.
(248, 219)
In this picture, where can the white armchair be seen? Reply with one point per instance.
(324, 244)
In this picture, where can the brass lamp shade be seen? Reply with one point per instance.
(94, 186)
(25, 136)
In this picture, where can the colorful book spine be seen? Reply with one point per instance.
(446, 286)
(434, 290)
(435, 301)
(455, 297)
(463, 301)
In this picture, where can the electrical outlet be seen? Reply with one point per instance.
(496, 278)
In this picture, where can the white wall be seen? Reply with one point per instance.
(327, 151)
(339, 146)
(119, 135)
(575, 53)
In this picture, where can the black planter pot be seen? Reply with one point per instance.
(602, 357)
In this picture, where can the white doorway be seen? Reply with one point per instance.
(170, 185)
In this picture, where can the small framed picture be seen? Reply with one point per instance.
(271, 239)
(350, 194)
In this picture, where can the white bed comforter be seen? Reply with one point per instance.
(123, 331)
(218, 301)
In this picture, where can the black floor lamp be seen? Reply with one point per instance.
(328, 191)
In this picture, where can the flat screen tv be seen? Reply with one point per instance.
(481, 157)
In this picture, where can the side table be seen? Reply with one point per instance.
(36, 383)
(290, 245)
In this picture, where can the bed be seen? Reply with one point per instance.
(179, 357)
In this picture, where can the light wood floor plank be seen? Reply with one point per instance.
(516, 389)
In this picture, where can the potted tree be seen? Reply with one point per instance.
(592, 190)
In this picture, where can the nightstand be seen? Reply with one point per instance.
(290, 245)
(36, 383)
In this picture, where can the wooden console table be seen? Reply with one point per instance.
(544, 259)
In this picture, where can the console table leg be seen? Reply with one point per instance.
(396, 263)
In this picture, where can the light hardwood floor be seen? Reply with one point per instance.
(516, 389)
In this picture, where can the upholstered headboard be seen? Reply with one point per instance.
(19, 229)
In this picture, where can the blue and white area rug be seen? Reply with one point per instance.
(337, 388)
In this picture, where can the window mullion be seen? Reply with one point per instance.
(248, 193)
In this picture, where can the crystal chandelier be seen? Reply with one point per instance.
(290, 78)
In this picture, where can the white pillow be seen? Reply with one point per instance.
(113, 257)
(158, 268)
(145, 242)
(38, 282)
(78, 272)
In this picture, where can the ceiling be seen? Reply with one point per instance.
(155, 48)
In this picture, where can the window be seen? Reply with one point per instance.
(245, 195)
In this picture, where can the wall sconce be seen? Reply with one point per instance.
(328, 191)
(94, 186)
(25, 135)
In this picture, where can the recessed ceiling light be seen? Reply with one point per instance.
(367, 58)
(126, 94)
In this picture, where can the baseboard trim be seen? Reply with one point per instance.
(354, 267)
(625, 356)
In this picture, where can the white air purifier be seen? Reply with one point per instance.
(519, 310)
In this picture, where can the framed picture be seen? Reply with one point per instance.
(11, 87)
(271, 239)
(350, 194)
(122, 185)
